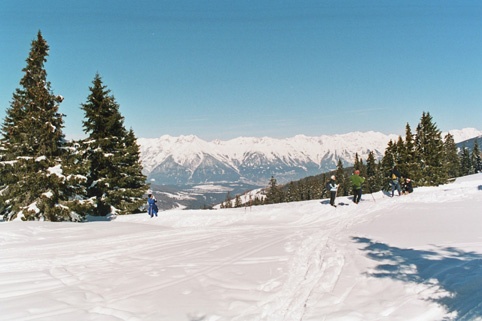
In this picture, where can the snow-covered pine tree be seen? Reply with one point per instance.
(114, 181)
(429, 148)
(130, 186)
(34, 184)
(452, 160)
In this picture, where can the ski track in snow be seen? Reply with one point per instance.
(288, 262)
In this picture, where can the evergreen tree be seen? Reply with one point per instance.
(410, 164)
(35, 186)
(342, 179)
(237, 201)
(476, 159)
(292, 192)
(374, 181)
(466, 167)
(387, 163)
(228, 202)
(274, 193)
(115, 182)
(323, 193)
(401, 155)
(430, 150)
(130, 184)
(452, 160)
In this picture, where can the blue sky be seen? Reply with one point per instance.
(224, 69)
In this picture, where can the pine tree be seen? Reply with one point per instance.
(228, 202)
(35, 186)
(342, 179)
(430, 150)
(237, 201)
(273, 194)
(387, 163)
(452, 160)
(292, 192)
(374, 180)
(476, 159)
(410, 164)
(466, 167)
(401, 155)
(323, 193)
(115, 181)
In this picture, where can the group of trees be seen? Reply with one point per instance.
(45, 177)
(424, 157)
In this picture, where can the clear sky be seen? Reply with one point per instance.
(224, 69)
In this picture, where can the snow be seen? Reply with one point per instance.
(461, 135)
(414, 257)
(189, 151)
(56, 170)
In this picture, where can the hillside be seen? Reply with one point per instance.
(414, 257)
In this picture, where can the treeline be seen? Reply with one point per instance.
(425, 157)
(45, 177)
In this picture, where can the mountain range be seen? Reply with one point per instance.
(191, 166)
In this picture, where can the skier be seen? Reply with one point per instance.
(152, 207)
(333, 188)
(356, 182)
(395, 177)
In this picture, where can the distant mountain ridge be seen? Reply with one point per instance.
(203, 172)
(188, 160)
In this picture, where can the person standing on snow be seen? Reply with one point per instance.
(395, 177)
(356, 182)
(151, 205)
(332, 186)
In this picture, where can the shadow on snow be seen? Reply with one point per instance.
(453, 270)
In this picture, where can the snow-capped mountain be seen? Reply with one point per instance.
(188, 160)
(461, 135)
(187, 171)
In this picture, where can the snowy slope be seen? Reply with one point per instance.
(415, 257)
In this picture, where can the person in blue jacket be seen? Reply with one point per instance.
(152, 206)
